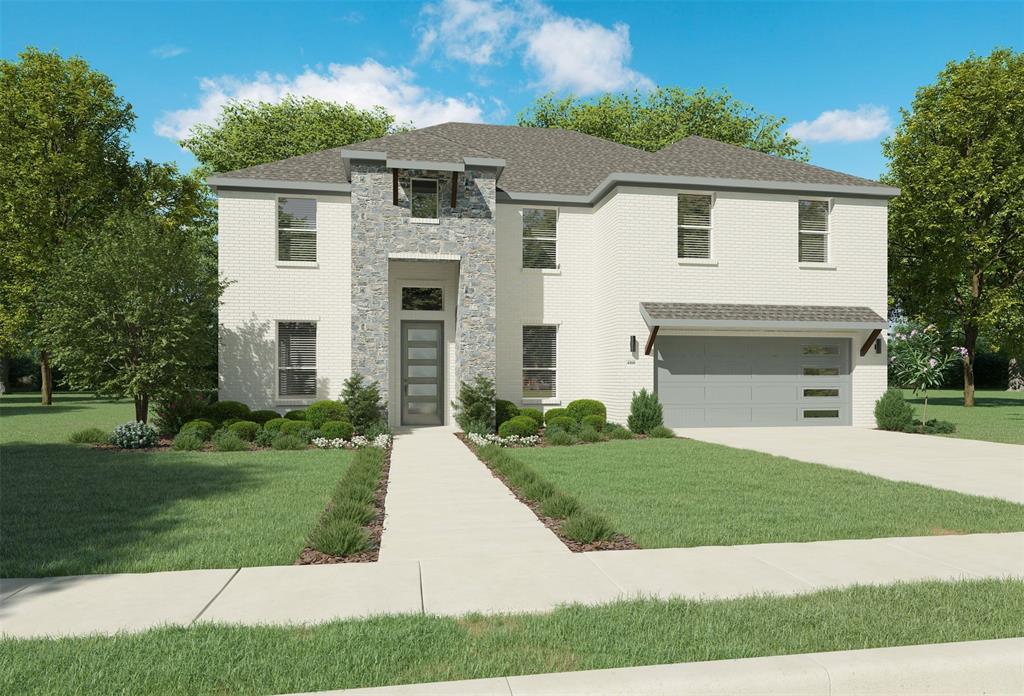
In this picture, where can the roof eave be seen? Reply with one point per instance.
(217, 182)
(759, 324)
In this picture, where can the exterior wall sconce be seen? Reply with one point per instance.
(878, 346)
(633, 345)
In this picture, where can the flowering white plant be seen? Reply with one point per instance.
(382, 441)
(510, 441)
(920, 362)
(133, 436)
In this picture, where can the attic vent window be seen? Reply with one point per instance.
(423, 199)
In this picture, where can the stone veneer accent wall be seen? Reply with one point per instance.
(380, 228)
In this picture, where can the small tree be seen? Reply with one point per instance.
(920, 362)
(363, 402)
(475, 406)
(131, 311)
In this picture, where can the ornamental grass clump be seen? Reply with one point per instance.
(340, 530)
(559, 505)
(618, 432)
(559, 438)
(90, 436)
(587, 528)
(135, 435)
(661, 431)
(226, 441)
(288, 442)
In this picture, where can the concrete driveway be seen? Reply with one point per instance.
(969, 466)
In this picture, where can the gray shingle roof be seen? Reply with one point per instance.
(683, 312)
(553, 161)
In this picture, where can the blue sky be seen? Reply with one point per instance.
(839, 72)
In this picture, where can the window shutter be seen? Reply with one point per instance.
(296, 358)
(296, 229)
(540, 238)
(539, 350)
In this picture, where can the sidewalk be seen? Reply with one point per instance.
(957, 669)
(442, 501)
(455, 586)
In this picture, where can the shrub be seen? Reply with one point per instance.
(363, 403)
(265, 437)
(588, 434)
(375, 429)
(522, 426)
(226, 441)
(594, 421)
(339, 538)
(553, 413)
(935, 427)
(560, 438)
(133, 436)
(617, 432)
(564, 423)
(644, 412)
(559, 505)
(298, 415)
(292, 427)
(661, 431)
(503, 411)
(170, 413)
(188, 441)
(337, 429)
(202, 428)
(586, 528)
(245, 429)
(533, 413)
(580, 408)
(288, 442)
(90, 436)
(319, 412)
(474, 407)
(230, 421)
(892, 412)
(220, 411)
(263, 417)
(274, 424)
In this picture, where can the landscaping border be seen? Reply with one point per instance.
(375, 528)
(617, 541)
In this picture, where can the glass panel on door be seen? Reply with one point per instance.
(422, 392)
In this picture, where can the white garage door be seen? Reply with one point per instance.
(736, 381)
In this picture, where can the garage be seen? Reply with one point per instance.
(718, 365)
(708, 381)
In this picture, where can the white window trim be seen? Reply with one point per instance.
(437, 197)
(285, 400)
(543, 400)
(695, 261)
(828, 264)
(278, 228)
(557, 270)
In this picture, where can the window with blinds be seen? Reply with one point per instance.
(694, 226)
(813, 232)
(539, 348)
(296, 229)
(423, 202)
(540, 234)
(296, 358)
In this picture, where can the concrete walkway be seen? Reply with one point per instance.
(958, 669)
(442, 501)
(990, 469)
(453, 586)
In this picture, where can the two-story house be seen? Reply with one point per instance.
(743, 288)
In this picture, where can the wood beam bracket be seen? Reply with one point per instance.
(650, 340)
(394, 187)
(867, 344)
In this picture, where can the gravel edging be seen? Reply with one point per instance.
(618, 542)
(375, 529)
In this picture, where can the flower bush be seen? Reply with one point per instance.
(381, 441)
(133, 436)
(920, 362)
(482, 440)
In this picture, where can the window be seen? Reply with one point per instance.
(296, 358)
(539, 361)
(821, 371)
(813, 393)
(813, 232)
(821, 350)
(296, 229)
(540, 230)
(826, 413)
(423, 299)
(423, 201)
(694, 220)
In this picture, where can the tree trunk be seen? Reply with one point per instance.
(45, 378)
(142, 408)
(5, 373)
(970, 343)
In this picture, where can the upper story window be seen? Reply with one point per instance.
(296, 358)
(296, 229)
(813, 232)
(540, 238)
(423, 199)
(694, 220)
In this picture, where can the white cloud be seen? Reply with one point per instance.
(365, 85)
(841, 125)
(564, 53)
(168, 51)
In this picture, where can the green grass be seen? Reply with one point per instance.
(997, 416)
(223, 660)
(670, 493)
(71, 509)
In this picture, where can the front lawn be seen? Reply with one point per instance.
(222, 660)
(997, 416)
(673, 493)
(72, 509)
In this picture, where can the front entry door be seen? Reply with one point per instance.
(422, 372)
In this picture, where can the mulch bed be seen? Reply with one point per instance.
(618, 542)
(310, 556)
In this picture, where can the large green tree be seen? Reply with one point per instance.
(249, 133)
(64, 162)
(956, 232)
(653, 120)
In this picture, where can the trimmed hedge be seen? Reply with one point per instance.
(564, 423)
(553, 413)
(201, 427)
(263, 417)
(334, 429)
(220, 411)
(245, 429)
(523, 426)
(292, 427)
(593, 421)
(504, 411)
(319, 412)
(533, 413)
(581, 408)
(297, 415)
(274, 424)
